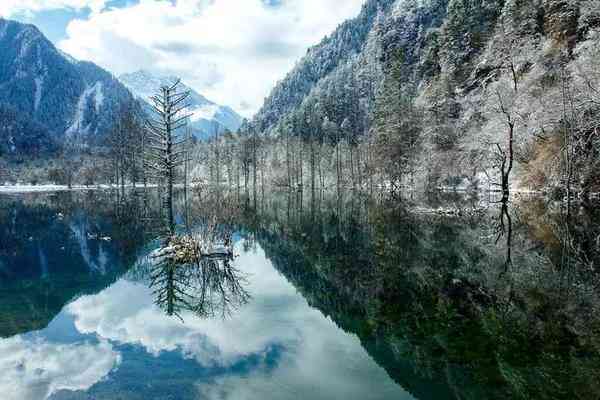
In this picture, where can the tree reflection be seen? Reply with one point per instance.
(195, 273)
(505, 229)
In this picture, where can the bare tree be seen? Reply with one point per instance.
(166, 142)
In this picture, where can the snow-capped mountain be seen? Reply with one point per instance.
(52, 90)
(207, 117)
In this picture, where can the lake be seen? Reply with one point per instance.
(337, 297)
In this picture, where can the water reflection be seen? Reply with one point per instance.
(269, 348)
(193, 270)
(505, 229)
(497, 298)
(55, 247)
(207, 285)
(325, 298)
(35, 369)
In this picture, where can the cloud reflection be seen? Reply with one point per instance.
(313, 355)
(33, 369)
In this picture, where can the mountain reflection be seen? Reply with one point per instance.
(422, 300)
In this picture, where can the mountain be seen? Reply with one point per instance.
(426, 82)
(60, 96)
(206, 115)
(321, 62)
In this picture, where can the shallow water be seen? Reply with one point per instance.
(352, 300)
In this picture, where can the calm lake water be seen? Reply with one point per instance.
(343, 298)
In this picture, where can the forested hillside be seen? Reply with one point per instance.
(23, 135)
(58, 95)
(449, 92)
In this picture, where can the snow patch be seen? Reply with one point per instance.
(76, 126)
(204, 112)
(3, 28)
(11, 142)
(39, 82)
(98, 96)
(20, 189)
(29, 35)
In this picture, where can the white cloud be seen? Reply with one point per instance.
(33, 369)
(10, 8)
(232, 51)
(277, 315)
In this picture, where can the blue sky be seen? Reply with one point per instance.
(53, 22)
(232, 51)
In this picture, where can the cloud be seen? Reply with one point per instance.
(33, 369)
(250, 43)
(10, 8)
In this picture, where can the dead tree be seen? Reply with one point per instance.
(166, 141)
(507, 160)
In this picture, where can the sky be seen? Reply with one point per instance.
(231, 51)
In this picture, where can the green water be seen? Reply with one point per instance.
(348, 298)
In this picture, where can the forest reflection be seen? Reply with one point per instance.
(461, 296)
(454, 296)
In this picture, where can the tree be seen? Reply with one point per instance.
(166, 148)
(398, 123)
(505, 156)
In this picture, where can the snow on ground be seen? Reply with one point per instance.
(42, 188)
(4, 189)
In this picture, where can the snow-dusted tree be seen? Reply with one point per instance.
(505, 96)
(166, 140)
(398, 123)
(503, 109)
(582, 104)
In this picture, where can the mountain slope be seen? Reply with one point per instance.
(320, 62)
(65, 96)
(19, 135)
(422, 80)
(206, 115)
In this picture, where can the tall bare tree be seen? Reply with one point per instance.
(166, 140)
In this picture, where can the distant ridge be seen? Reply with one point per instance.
(207, 117)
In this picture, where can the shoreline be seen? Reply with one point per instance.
(51, 188)
(24, 189)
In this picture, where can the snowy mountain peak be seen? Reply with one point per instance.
(207, 117)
